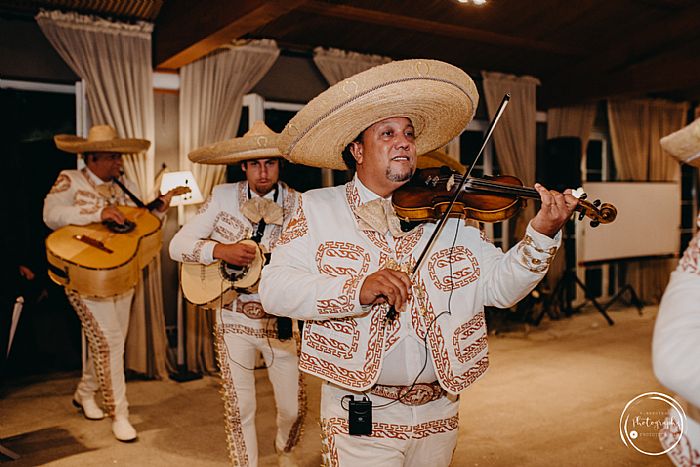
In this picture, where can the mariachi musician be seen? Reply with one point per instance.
(675, 348)
(81, 197)
(259, 208)
(392, 384)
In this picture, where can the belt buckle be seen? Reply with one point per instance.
(419, 394)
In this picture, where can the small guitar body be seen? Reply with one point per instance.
(219, 283)
(96, 261)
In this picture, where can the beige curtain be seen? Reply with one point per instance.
(336, 65)
(211, 99)
(568, 121)
(515, 135)
(114, 60)
(635, 129)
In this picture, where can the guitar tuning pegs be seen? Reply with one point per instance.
(595, 224)
(596, 203)
(583, 196)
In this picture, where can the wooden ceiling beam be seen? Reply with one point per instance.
(187, 31)
(434, 28)
(618, 69)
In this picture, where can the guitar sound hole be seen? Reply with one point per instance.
(116, 227)
(232, 272)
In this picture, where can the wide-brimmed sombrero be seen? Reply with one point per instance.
(101, 138)
(259, 142)
(684, 144)
(438, 98)
(439, 158)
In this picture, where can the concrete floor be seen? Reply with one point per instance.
(553, 396)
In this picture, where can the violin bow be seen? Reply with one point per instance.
(391, 314)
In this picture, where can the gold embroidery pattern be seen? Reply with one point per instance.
(196, 252)
(245, 330)
(357, 379)
(341, 259)
(89, 202)
(296, 432)
(462, 263)
(98, 347)
(438, 349)
(690, 262)
(291, 198)
(297, 227)
(330, 427)
(343, 350)
(204, 206)
(61, 184)
(229, 227)
(232, 416)
(529, 261)
(463, 334)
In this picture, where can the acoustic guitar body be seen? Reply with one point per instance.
(105, 263)
(210, 287)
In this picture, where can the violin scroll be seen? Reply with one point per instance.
(599, 213)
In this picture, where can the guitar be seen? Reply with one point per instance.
(220, 283)
(103, 259)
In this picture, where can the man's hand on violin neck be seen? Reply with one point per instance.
(556, 209)
(386, 286)
(238, 254)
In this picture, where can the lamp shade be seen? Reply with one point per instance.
(172, 180)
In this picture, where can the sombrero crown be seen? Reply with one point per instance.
(101, 138)
(684, 144)
(259, 142)
(440, 100)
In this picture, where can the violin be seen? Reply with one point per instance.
(428, 194)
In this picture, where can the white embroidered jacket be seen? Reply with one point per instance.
(78, 197)
(676, 349)
(322, 259)
(219, 220)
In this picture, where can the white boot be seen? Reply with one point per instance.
(123, 430)
(90, 409)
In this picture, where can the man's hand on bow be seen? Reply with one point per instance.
(556, 209)
(238, 254)
(386, 285)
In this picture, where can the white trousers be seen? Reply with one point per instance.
(402, 435)
(105, 323)
(237, 346)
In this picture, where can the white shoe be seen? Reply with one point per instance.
(90, 409)
(123, 430)
(287, 459)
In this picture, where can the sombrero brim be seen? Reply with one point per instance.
(76, 144)
(438, 159)
(237, 150)
(684, 144)
(440, 100)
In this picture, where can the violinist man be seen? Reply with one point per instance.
(258, 208)
(392, 386)
(81, 197)
(675, 349)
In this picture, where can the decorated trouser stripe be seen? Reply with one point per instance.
(105, 323)
(236, 347)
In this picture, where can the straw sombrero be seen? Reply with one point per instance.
(439, 98)
(438, 158)
(101, 138)
(684, 144)
(259, 142)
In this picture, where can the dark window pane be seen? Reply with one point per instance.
(685, 240)
(594, 282)
(594, 176)
(687, 216)
(594, 155)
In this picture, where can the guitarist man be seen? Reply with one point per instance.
(82, 197)
(259, 208)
